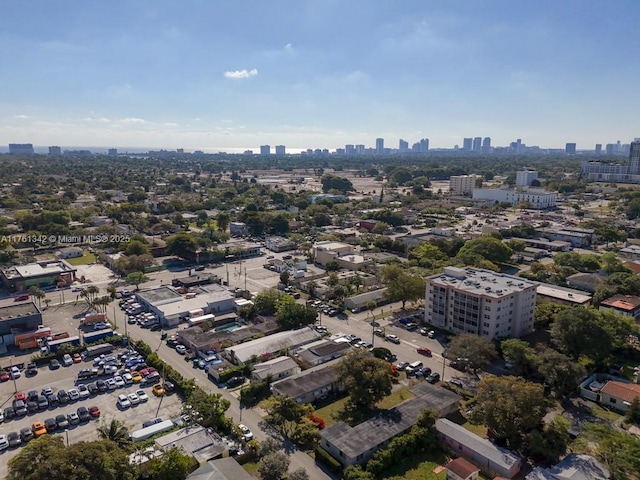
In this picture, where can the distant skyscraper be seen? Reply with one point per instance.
(265, 149)
(360, 149)
(21, 148)
(570, 149)
(379, 145)
(55, 151)
(477, 144)
(112, 151)
(486, 145)
(598, 148)
(634, 158)
(403, 145)
(349, 149)
(467, 144)
(280, 150)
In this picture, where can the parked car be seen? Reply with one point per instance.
(77, 358)
(14, 439)
(4, 443)
(157, 390)
(169, 388)
(93, 388)
(181, 349)
(235, 382)
(83, 391)
(54, 364)
(123, 401)
(154, 421)
(400, 366)
(133, 399)
(83, 414)
(62, 421)
(32, 369)
(15, 372)
(142, 396)
(73, 418)
(74, 394)
(50, 425)
(4, 376)
(26, 434)
(433, 378)
(43, 403)
(20, 408)
(94, 411)
(246, 433)
(67, 360)
(392, 338)
(423, 351)
(63, 396)
(101, 385)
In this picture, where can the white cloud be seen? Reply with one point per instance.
(132, 120)
(170, 124)
(21, 117)
(236, 74)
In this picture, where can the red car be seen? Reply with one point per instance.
(423, 351)
(77, 358)
(4, 376)
(21, 298)
(20, 396)
(94, 411)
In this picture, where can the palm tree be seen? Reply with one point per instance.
(114, 431)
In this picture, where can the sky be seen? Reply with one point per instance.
(229, 75)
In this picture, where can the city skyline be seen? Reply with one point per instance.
(317, 74)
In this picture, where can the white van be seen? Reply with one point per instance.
(413, 367)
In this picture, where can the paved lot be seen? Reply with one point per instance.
(64, 378)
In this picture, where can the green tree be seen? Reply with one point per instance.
(477, 352)
(115, 431)
(273, 466)
(266, 301)
(367, 379)
(223, 220)
(401, 286)
(546, 313)
(284, 413)
(294, 315)
(560, 372)
(548, 444)
(299, 474)
(429, 256)
(136, 247)
(248, 312)
(520, 354)
(267, 446)
(306, 434)
(182, 245)
(356, 472)
(633, 413)
(578, 332)
(486, 247)
(172, 465)
(136, 278)
(510, 407)
(284, 277)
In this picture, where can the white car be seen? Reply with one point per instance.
(83, 391)
(74, 394)
(4, 443)
(111, 384)
(119, 381)
(126, 377)
(67, 360)
(181, 349)
(123, 401)
(142, 396)
(246, 433)
(15, 373)
(1, 415)
(133, 399)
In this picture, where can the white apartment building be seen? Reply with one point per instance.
(536, 198)
(525, 178)
(482, 302)
(462, 184)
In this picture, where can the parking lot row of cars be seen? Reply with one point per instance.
(60, 422)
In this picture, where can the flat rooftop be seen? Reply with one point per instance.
(19, 310)
(307, 381)
(481, 282)
(562, 293)
(38, 269)
(159, 296)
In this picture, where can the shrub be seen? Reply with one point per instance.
(331, 463)
(317, 420)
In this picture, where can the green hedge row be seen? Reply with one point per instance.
(325, 457)
(237, 371)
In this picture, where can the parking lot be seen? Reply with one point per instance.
(64, 378)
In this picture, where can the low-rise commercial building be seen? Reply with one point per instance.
(310, 385)
(16, 319)
(43, 274)
(279, 244)
(266, 346)
(549, 293)
(535, 198)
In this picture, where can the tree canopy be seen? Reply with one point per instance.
(476, 351)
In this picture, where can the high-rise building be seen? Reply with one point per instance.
(265, 149)
(55, 151)
(477, 144)
(467, 144)
(379, 145)
(424, 145)
(280, 150)
(482, 302)
(360, 149)
(462, 184)
(634, 158)
(112, 151)
(525, 178)
(598, 149)
(403, 145)
(21, 148)
(570, 149)
(610, 149)
(486, 145)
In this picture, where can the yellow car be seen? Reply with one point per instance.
(136, 377)
(38, 429)
(158, 390)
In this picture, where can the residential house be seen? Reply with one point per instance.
(221, 469)
(70, 252)
(277, 369)
(355, 445)
(266, 346)
(480, 451)
(549, 293)
(310, 385)
(362, 300)
(203, 444)
(320, 352)
(238, 229)
(618, 395)
(461, 469)
(626, 305)
(572, 467)
(589, 282)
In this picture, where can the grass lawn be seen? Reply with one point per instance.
(252, 468)
(396, 397)
(480, 430)
(85, 259)
(603, 413)
(416, 467)
(327, 412)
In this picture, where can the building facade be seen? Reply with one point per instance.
(536, 198)
(525, 178)
(481, 302)
(462, 184)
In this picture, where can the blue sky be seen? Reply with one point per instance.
(233, 74)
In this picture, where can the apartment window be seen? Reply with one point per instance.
(499, 308)
(485, 332)
(486, 324)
